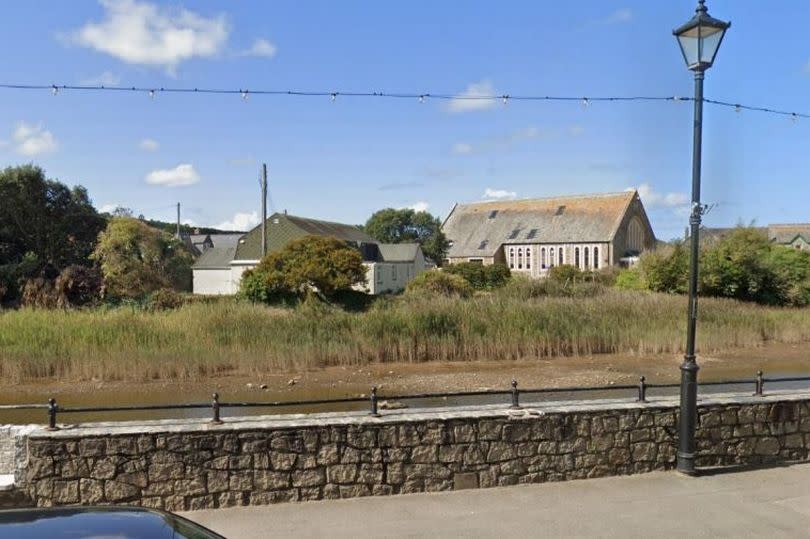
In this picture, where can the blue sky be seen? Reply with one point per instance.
(343, 160)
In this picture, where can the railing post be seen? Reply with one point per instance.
(52, 409)
(515, 395)
(760, 385)
(642, 389)
(374, 411)
(215, 407)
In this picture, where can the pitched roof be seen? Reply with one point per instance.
(225, 240)
(398, 252)
(215, 258)
(282, 229)
(479, 229)
(786, 233)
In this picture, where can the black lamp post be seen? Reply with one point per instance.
(699, 40)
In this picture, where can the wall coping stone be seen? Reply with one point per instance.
(389, 417)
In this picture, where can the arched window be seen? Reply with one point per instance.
(576, 257)
(635, 236)
(596, 257)
(560, 255)
(528, 258)
(585, 257)
(551, 256)
(520, 258)
(543, 258)
(511, 258)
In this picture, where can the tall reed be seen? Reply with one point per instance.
(201, 340)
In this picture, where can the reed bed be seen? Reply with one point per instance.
(203, 340)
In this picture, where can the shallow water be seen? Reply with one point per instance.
(777, 360)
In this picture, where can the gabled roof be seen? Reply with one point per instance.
(787, 233)
(282, 229)
(479, 229)
(215, 258)
(225, 240)
(398, 252)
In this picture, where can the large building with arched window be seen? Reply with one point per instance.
(531, 236)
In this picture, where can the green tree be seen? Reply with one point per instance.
(136, 259)
(314, 262)
(406, 226)
(737, 267)
(45, 226)
(791, 268)
(666, 269)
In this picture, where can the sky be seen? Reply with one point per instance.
(342, 160)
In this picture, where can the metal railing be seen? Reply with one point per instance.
(514, 393)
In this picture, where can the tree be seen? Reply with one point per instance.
(45, 226)
(666, 269)
(136, 259)
(313, 262)
(405, 226)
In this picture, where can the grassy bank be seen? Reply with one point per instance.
(207, 339)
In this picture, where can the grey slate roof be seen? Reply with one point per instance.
(215, 258)
(282, 229)
(479, 229)
(398, 252)
(225, 240)
(782, 234)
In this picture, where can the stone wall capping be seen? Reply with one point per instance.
(410, 415)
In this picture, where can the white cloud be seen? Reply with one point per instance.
(108, 78)
(576, 130)
(32, 140)
(462, 148)
(652, 198)
(470, 98)
(261, 47)
(240, 221)
(419, 206)
(148, 145)
(108, 208)
(498, 194)
(146, 34)
(181, 175)
(619, 16)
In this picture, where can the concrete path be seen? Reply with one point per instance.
(762, 503)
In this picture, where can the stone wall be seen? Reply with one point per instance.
(189, 464)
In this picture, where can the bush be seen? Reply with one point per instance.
(78, 286)
(39, 293)
(327, 265)
(666, 269)
(630, 279)
(439, 282)
(481, 277)
(164, 299)
(565, 274)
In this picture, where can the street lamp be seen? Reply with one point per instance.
(699, 40)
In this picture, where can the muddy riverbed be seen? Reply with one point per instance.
(393, 379)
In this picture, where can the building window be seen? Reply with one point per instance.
(596, 257)
(379, 275)
(476, 261)
(543, 258)
(585, 259)
(560, 255)
(551, 257)
(394, 272)
(520, 258)
(576, 257)
(528, 258)
(635, 236)
(511, 258)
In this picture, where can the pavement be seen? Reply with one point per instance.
(771, 503)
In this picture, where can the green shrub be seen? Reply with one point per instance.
(565, 274)
(630, 279)
(164, 299)
(481, 277)
(666, 269)
(441, 283)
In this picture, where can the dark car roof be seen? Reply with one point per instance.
(98, 522)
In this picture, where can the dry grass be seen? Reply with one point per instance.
(201, 340)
